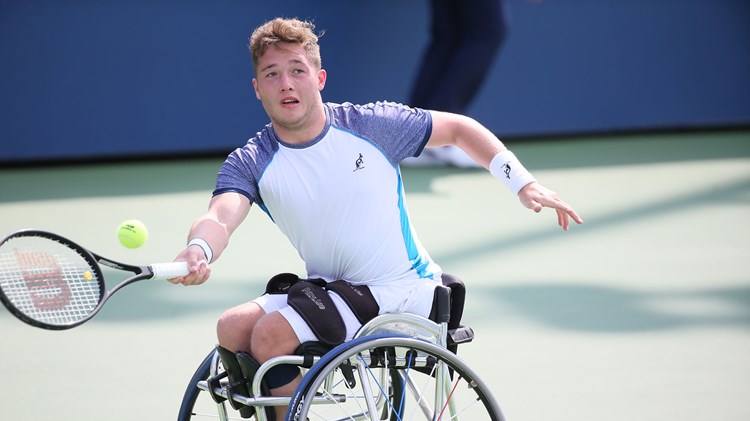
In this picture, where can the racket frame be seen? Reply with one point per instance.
(94, 260)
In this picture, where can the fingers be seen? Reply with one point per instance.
(575, 217)
(199, 270)
(536, 197)
(199, 273)
(564, 213)
(562, 219)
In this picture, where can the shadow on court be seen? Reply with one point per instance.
(598, 309)
(736, 192)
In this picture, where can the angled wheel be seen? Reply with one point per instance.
(197, 404)
(392, 378)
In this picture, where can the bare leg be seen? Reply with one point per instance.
(273, 336)
(235, 327)
(286, 390)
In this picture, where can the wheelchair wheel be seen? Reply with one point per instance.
(392, 378)
(197, 404)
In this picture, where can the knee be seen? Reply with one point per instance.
(272, 337)
(224, 326)
(234, 329)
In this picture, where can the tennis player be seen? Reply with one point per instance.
(328, 176)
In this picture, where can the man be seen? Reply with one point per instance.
(460, 31)
(328, 176)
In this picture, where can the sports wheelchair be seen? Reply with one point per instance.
(398, 367)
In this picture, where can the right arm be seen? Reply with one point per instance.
(225, 213)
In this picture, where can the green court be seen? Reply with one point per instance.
(642, 313)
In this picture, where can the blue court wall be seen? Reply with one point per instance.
(84, 79)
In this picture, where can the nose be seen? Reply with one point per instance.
(286, 84)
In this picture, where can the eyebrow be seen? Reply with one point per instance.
(293, 61)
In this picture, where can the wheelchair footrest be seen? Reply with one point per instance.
(237, 382)
(249, 368)
(213, 383)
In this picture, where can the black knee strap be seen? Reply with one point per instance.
(311, 300)
(358, 298)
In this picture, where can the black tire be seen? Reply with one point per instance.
(193, 395)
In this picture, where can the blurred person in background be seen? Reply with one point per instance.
(465, 38)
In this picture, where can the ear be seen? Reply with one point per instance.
(255, 88)
(322, 75)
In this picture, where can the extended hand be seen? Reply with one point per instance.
(535, 197)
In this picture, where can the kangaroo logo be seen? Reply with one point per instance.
(506, 169)
(359, 163)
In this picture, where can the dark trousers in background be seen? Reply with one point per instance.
(466, 35)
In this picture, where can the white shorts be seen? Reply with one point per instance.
(408, 297)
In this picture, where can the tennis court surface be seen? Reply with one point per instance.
(641, 313)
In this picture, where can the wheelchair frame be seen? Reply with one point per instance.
(380, 374)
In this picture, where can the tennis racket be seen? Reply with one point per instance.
(53, 283)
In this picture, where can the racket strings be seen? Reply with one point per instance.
(48, 281)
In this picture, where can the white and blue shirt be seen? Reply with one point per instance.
(339, 198)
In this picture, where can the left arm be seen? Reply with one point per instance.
(467, 134)
(487, 150)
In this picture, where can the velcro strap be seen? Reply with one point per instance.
(358, 298)
(316, 307)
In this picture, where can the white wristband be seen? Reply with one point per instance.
(204, 246)
(508, 169)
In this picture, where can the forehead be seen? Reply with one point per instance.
(282, 54)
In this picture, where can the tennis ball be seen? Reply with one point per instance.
(132, 233)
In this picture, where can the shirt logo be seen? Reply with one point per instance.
(506, 169)
(359, 163)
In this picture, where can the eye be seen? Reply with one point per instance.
(298, 71)
(271, 74)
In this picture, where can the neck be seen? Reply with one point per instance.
(305, 130)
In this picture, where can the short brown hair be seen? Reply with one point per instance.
(281, 30)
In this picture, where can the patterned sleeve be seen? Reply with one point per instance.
(243, 167)
(398, 130)
(234, 177)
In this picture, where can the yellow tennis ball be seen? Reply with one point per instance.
(132, 233)
(88, 276)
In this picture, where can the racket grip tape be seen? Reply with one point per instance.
(169, 270)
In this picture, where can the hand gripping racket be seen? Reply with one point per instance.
(53, 283)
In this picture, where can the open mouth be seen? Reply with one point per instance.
(289, 101)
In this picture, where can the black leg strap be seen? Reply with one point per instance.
(312, 302)
(359, 299)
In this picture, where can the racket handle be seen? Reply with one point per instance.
(169, 270)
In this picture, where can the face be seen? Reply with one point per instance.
(289, 86)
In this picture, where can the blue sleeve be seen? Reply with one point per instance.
(232, 178)
(398, 130)
(244, 167)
